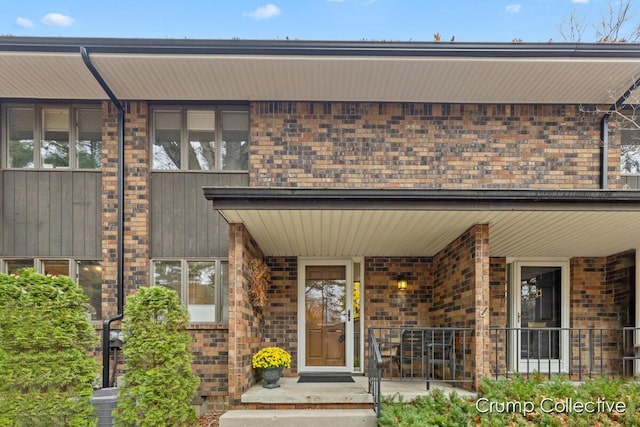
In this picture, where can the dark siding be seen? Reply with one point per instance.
(183, 223)
(51, 214)
(632, 182)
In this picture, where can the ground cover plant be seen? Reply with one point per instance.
(47, 374)
(158, 385)
(536, 401)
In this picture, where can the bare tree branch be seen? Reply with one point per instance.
(572, 27)
(609, 29)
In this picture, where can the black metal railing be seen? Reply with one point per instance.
(374, 369)
(576, 352)
(425, 354)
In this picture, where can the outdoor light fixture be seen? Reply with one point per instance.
(402, 283)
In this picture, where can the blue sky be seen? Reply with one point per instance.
(389, 20)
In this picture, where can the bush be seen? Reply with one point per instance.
(436, 409)
(158, 385)
(46, 372)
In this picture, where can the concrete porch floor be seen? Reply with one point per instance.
(292, 392)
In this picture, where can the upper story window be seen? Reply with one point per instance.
(52, 137)
(630, 150)
(215, 139)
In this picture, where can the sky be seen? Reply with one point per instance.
(376, 20)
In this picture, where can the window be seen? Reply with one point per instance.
(200, 139)
(630, 148)
(202, 285)
(86, 273)
(40, 137)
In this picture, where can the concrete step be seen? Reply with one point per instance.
(299, 417)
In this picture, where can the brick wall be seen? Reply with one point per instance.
(136, 202)
(211, 363)
(461, 296)
(385, 305)
(387, 145)
(246, 324)
(498, 312)
(281, 311)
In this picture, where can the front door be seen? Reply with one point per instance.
(539, 302)
(325, 316)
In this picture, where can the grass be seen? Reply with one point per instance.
(519, 401)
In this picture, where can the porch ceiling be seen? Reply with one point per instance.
(242, 70)
(336, 227)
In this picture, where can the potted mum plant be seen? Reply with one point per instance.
(270, 361)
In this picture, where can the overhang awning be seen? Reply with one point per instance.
(354, 222)
(245, 70)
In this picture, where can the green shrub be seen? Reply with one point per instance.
(158, 385)
(437, 409)
(46, 372)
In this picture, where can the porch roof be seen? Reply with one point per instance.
(246, 70)
(401, 222)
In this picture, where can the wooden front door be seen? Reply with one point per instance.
(326, 314)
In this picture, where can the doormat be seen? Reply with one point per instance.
(325, 379)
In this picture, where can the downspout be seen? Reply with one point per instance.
(604, 161)
(120, 222)
(616, 106)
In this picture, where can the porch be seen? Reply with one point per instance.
(336, 395)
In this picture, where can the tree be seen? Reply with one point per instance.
(46, 372)
(616, 25)
(158, 385)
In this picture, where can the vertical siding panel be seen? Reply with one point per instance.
(93, 236)
(8, 207)
(55, 214)
(43, 215)
(193, 221)
(167, 215)
(80, 216)
(66, 211)
(177, 209)
(156, 215)
(183, 223)
(32, 207)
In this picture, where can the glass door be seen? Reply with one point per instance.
(540, 311)
(327, 321)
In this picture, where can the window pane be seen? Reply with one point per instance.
(54, 148)
(20, 123)
(90, 279)
(224, 304)
(55, 267)
(630, 151)
(201, 130)
(168, 274)
(235, 140)
(166, 146)
(13, 265)
(202, 291)
(89, 139)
